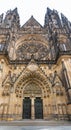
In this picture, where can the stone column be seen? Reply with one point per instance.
(32, 109)
(44, 108)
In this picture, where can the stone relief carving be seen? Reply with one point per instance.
(32, 50)
(32, 89)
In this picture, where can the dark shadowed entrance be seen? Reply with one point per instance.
(26, 108)
(38, 108)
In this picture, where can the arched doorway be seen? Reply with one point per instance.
(32, 102)
(32, 93)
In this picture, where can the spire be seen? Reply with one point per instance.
(49, 11)
(47, 16)
(15, 10)
(57, 18)
(64, 19)
(66, 24)
(52, 17)
(12, 18)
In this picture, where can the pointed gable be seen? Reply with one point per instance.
(32, 23)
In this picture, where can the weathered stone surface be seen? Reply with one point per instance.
(35, 64)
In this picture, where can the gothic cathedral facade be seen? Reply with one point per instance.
(35, 67)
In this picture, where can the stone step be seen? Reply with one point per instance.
(35, 123)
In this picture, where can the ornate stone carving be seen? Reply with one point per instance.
(30, 66)
(32, 89)
(27, 50)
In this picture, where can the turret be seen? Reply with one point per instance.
(12, 19)
(52, 19)
(47, 17)
(66, 24)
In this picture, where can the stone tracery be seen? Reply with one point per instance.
(38, 50)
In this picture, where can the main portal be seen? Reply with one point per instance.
(37, 108)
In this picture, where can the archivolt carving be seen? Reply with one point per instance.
(33, 80)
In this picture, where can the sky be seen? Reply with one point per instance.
(37, 8)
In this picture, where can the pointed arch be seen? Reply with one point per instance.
(35, 78)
